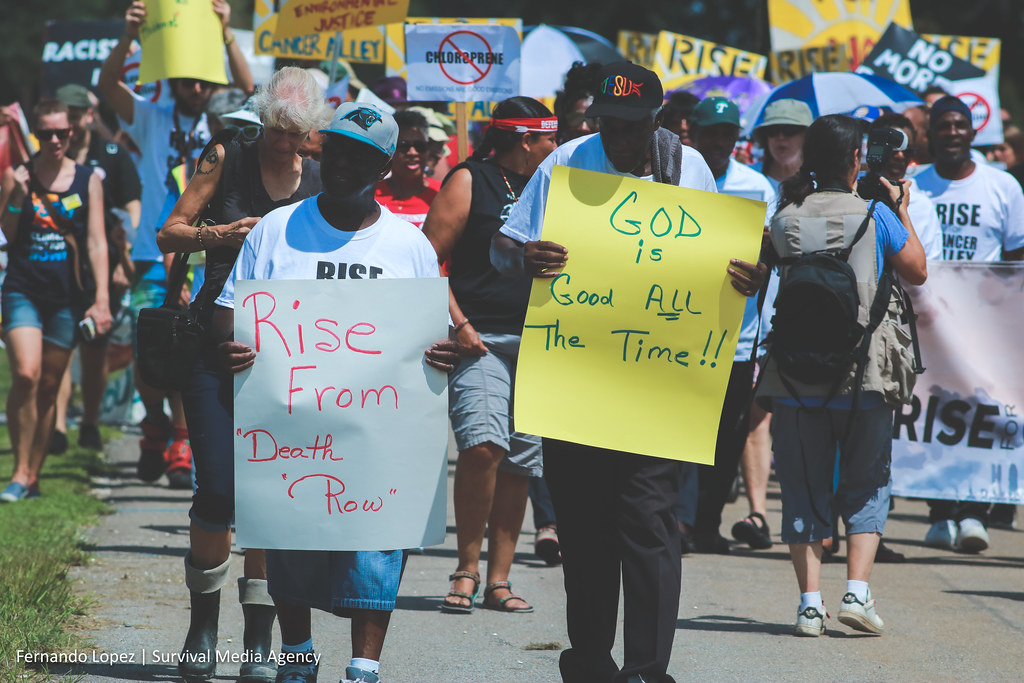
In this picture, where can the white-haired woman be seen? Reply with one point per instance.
(238, 180)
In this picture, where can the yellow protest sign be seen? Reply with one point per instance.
(983, 53)
(679, 59)
(394, 58)
(789, 65)
(638, 47)
(631, 346)
(181, 39)
(304, 17)
(361, 45)
(796, 24)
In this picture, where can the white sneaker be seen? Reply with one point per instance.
(860, 615)
(973, 536)
(943, 535)
(810, 623)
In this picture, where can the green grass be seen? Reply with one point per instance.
(40, 540)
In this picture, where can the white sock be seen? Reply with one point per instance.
(301, 647)
(371, 665)
(811, 600)
(858, 588)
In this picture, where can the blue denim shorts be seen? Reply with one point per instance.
(334, 580)
(58, 323)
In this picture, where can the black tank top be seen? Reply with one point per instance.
(492, 302)
(40, 264)
(241, 194)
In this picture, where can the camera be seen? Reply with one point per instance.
(882, 144)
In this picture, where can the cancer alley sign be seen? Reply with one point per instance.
(462, 62)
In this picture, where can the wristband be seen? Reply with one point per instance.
(229, 40)
(461, 325)
(199, 236)
(13, 209)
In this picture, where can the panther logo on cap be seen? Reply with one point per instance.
(362, 117)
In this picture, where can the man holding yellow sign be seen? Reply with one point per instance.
(613, 505)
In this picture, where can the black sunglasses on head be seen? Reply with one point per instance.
(404, 146)
(47, 133)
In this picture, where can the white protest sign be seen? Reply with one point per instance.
(341, 428)
(461, 62)
(962, 438)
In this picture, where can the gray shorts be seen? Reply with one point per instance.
(480, 405)
(804, 442)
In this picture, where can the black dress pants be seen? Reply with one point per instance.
(615, 523)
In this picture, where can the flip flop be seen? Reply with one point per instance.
(502, 606)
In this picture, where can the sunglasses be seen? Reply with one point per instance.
(191, 83)
(47, 133)
(249, 132)
(404, 146)
(785, 131)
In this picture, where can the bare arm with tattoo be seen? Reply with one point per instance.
(179, 234)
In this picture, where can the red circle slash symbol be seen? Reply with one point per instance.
(449, 44)
(981, 112)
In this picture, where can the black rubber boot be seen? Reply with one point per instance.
(260, 613)
(198, 654)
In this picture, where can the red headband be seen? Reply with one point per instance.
(545, 125)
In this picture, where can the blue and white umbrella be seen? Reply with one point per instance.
(836, 93)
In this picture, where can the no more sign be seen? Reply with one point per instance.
(461, 62)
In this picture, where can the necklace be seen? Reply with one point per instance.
(510, 191)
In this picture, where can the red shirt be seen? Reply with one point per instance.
(413, 209)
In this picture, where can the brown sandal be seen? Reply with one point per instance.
(452, 608)
(502, 606)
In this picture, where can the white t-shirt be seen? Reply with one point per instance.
(926, 224)
(981, 216)
(740, 180)
(296, 243)
(151, 129)
(527, 217)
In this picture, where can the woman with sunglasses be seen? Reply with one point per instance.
(408, 192)
(781, 136)
(495, 462)
(51, 211)
(238, 181)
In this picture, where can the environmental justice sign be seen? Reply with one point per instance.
(630, 347)
(907, 58)
(359, 45)
(461, 63)
(798, 24)
(181, 39)
(341, 428)
(962, 436)
(680, 59)
(306, 17)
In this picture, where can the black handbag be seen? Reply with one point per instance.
(169, 337)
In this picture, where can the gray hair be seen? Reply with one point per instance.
(292, 100)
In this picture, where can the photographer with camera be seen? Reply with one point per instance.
(892, 164)
(829, 379)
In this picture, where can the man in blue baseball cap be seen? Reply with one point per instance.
(315, 240)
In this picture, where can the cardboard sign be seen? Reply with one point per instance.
(790, 65)
(341, 428)
(631, 346)
(74, 51)
(181, 39)
(306, 17)
(361, 45)
(394, 55)
(796, 24)
(982, 96)
(962, 438)
(458, 63)
(679, 59)
(907, 58)
(638, 47)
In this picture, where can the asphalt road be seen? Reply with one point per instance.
(948, 616)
